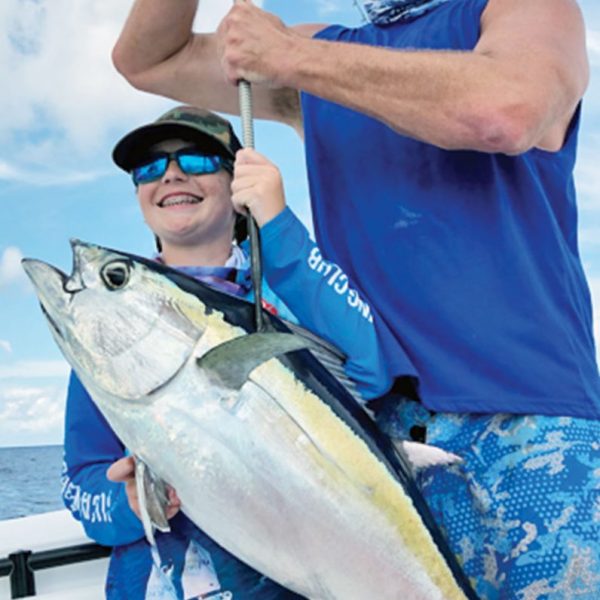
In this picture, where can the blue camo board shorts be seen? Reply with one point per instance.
(522, 511)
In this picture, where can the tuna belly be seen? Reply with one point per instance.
(259, 481)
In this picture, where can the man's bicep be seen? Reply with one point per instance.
(194, 75)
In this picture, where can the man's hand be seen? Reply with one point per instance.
(254, 45)
(123, 471)
(257, 186)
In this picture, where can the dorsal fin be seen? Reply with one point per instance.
(331, 357)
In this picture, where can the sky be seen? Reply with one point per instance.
(62, 108)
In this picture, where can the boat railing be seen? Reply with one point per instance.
(21, 566)
(39, 556)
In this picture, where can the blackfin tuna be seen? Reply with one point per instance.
(269, 453)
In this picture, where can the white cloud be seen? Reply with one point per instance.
(60, 87)
(10, 266)
(32, 400)
(8, 172)
(327, 7)
(211, 12)
(6, 346)
(593, 45)
(590, 235)
(32, 414)
(587, 174)
(48, 178)
(31, 369)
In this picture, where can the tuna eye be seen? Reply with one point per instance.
(115, 275)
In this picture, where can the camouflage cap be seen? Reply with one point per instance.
(206, 129)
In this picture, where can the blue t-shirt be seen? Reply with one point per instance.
(470, 259)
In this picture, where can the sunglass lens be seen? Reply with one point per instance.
(199, 164)
(150, 171)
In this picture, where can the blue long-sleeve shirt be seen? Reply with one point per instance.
(324, 301)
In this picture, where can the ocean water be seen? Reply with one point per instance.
(29, 480)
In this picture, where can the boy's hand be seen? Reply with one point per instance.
(257, 186)
(123, 471)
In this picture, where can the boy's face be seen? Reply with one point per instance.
(185, 210)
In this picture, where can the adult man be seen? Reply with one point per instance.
(440, 143)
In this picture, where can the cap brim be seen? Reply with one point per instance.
(135, 145)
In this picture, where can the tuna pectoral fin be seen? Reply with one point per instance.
(422, 456)
(229, 364)
(153, 500)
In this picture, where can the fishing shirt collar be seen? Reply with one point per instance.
(386, 12)
(234, 277)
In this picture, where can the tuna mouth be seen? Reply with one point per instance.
(180, 200)
(51, 321)
(50, 285)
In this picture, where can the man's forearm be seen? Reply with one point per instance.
(516, 89)
(425, 95)
(454, 100)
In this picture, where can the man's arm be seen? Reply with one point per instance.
(158, 53)
(517, 89)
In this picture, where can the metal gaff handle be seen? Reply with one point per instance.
(245, 93)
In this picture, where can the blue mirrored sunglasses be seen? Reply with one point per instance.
(191, 162)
